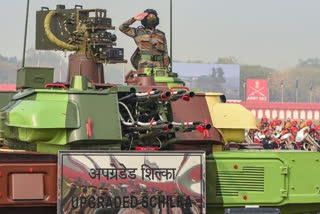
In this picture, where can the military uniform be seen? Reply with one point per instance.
(152, 45)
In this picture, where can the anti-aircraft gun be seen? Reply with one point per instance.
(85, 112)
(84, 31)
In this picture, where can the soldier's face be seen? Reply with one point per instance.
(151, 19)
(150, 15)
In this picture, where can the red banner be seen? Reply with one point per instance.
(257, 90)
(7, 87)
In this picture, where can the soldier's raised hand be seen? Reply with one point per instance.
(140, 16)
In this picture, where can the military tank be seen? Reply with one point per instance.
(47, 117)
(154, 111)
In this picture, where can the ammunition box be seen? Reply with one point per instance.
(34, 77)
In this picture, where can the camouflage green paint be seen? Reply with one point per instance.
(47, 136)
(43, 114)
(5, 98)
(34, 77)
(42, 120)
(79, 83)
(25, 94)
(171, 81)
(104, 114)
(53, 119)
(266, 178)
(123, 88)
(37, 117)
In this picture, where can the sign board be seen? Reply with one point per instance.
(257, 90)
(125, 182)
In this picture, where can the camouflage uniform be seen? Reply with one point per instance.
(152, 45)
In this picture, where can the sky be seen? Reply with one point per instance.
(272, 33)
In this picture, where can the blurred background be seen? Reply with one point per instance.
(217, 45)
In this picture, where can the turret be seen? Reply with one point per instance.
(86, 32)
(85, 112)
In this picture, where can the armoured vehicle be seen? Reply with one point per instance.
(153, 111)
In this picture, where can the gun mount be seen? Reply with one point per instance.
(86, 32)
(85, 113)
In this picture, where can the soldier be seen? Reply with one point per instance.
(302, 124)
(317, 134)
(288, 124)
(152, 45)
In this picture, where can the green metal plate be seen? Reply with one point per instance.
(240, 181)
(103, 112)
(263, 178)
(43, 114)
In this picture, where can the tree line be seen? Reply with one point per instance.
(304, 78)
(300, 83)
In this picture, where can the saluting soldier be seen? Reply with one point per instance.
(152, 45)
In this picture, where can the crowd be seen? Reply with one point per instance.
(287, 134)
